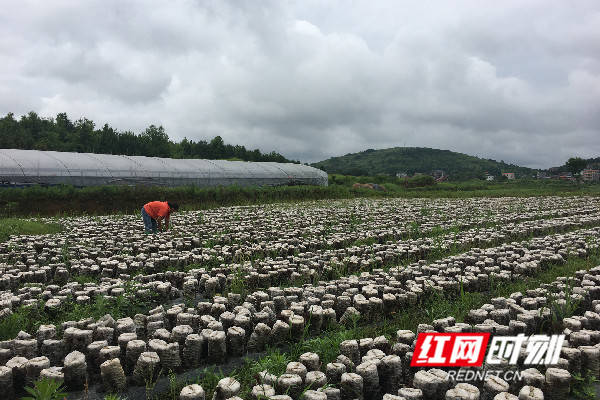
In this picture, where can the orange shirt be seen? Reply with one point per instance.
(157, 209)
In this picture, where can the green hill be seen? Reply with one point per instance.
(412, 160)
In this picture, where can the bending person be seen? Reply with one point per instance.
(154, 212)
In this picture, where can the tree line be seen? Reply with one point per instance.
(32, 132)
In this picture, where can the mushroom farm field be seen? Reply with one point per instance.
(316, 300)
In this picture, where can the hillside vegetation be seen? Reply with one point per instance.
(588, 162)
(412, 160)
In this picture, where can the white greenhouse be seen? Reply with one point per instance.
(23, 167)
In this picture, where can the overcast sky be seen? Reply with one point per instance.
(517, 81)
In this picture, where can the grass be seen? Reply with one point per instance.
(16, 226)
(60, 200)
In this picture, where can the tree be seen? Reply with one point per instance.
(108, 141)
(9, 130)
(61, 134)
(575, 165)
(156, 141)
(217, 148)
(84, 133)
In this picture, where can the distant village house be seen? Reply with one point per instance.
(438, 173)
(590, 175)
(566, 176)
(509, 175)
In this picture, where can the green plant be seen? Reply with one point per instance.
(584, 387)
(415, 230)
(354, 319)
(209, 379)
(81, 279)
(174, 388)
(45, 389)
(66, 257)
(111, 396)
(238, 282)
(10, 208)
(150, 383)
(560, 308)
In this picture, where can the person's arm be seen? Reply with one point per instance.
(159, 223)
(167, 222)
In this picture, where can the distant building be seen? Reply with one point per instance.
(402, 174)
(489, 177)
(509, 175)
(590, 175)
(566, 176)
(438, 174)
(542, 175)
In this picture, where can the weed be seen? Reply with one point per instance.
(82, 279)
(354, 319)
(238, 282)
(209, 379)
(45, 389)
(365, 242)
(174, 386)
(66, 257)
(560, 308)
(414, 230)
(149, 383)
(584, 387)
(111, 396)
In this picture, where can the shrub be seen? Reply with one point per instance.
(419, 181)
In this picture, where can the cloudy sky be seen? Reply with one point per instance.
(316, 78)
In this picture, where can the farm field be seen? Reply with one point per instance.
(314, 300)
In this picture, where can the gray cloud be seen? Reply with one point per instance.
(313, 79)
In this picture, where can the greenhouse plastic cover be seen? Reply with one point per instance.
(85, 169)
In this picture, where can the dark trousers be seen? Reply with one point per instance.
(150, 224)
